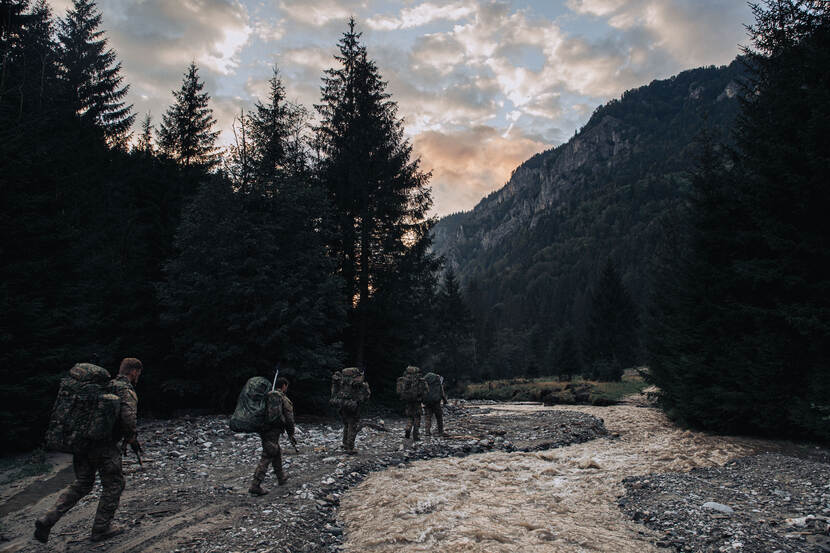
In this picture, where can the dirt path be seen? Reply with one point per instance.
(191, 494)
(562, 500)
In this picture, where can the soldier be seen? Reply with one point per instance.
(411, 388)
(103, 458)
(279, 418)
(432, 402)
(348, 392)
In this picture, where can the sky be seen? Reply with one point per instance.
(482, 85)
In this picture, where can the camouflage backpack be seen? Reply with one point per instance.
(249, 415)
(348, 388)
(434, 392)
(411, 386)
(85, 411)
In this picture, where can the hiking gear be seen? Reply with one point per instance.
(435, 390)
(85, 411)
(42, 529)
(411, 386)
(348, 388)
(249, 415)
(257, 489)
(110, 531)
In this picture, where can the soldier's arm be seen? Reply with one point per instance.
(368, 390)
(127, 417)
(443, 394)
(288, 414)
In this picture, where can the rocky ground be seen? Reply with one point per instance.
(191, 492)
(768, 503)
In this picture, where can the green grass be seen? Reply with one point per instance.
(535, 389)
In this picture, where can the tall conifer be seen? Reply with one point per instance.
(380, 195)
(186, 134)
(91, 74)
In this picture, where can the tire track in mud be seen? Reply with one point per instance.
(557, 501)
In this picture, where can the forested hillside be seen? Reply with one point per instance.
(530, 255)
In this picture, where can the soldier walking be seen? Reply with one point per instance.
(432, 402)
(103, 458)
(411, 388)
(279, 418)
(348, 392)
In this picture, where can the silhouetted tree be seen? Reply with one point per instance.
(186, 134)
(380, 195)
(91, 75)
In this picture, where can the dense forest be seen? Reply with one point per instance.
(682, 227)
(301, 247)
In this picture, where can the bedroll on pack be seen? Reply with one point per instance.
(249, 415)
(411, 386)
(433, 393)
(85, 412)
(348, 388)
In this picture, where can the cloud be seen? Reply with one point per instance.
(269, 31)
(694, 32)
(469, 164)
(319, 13)
(421, 15)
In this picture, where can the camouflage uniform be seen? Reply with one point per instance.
(434, 408)
(351, 422)
(104, 459)
(413, 413)
(271, 452)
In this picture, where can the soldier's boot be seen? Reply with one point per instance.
(415, 437)
(257, 489)
(42, 529)
(110, 531)
(428, 430)
(406, 434)
(282, 479)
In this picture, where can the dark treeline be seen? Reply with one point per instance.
(739, 332)
(307, 247)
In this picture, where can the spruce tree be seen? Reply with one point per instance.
(453, 324)
(186, 134)
(380, 195)
(144, 144)
(90, 74)
(611, 337)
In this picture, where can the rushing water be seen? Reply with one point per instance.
(562, 500)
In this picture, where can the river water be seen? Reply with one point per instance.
(561, 500)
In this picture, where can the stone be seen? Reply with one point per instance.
(720, 507)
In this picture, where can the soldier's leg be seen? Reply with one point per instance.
(353, 423)
(345, 418)
(271, 448)
(428, 418)
(260, 471)
(439, 419)
(416, 421)
(108, 463)
(84, 481)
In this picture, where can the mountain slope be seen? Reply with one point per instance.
(529, 252)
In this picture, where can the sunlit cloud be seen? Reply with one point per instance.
(469, 164)
(420, 15)
(319, 12)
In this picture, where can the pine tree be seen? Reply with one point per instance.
(186, 134)
(91, 75)
(380, 195)
(611, 341)
(145, 139)
(566, 360)
(453, 324)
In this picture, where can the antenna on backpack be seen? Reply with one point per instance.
(276, 374)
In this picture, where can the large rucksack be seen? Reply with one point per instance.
(348, 388)
(434, 392)
(249, 415)
(85, 411)
(411, 386)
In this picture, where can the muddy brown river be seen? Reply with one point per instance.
(561, 500)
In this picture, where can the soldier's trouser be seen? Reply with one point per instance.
(413, 413)
(351, 419)
(106, 461)
(431, 409)
(271, 456)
